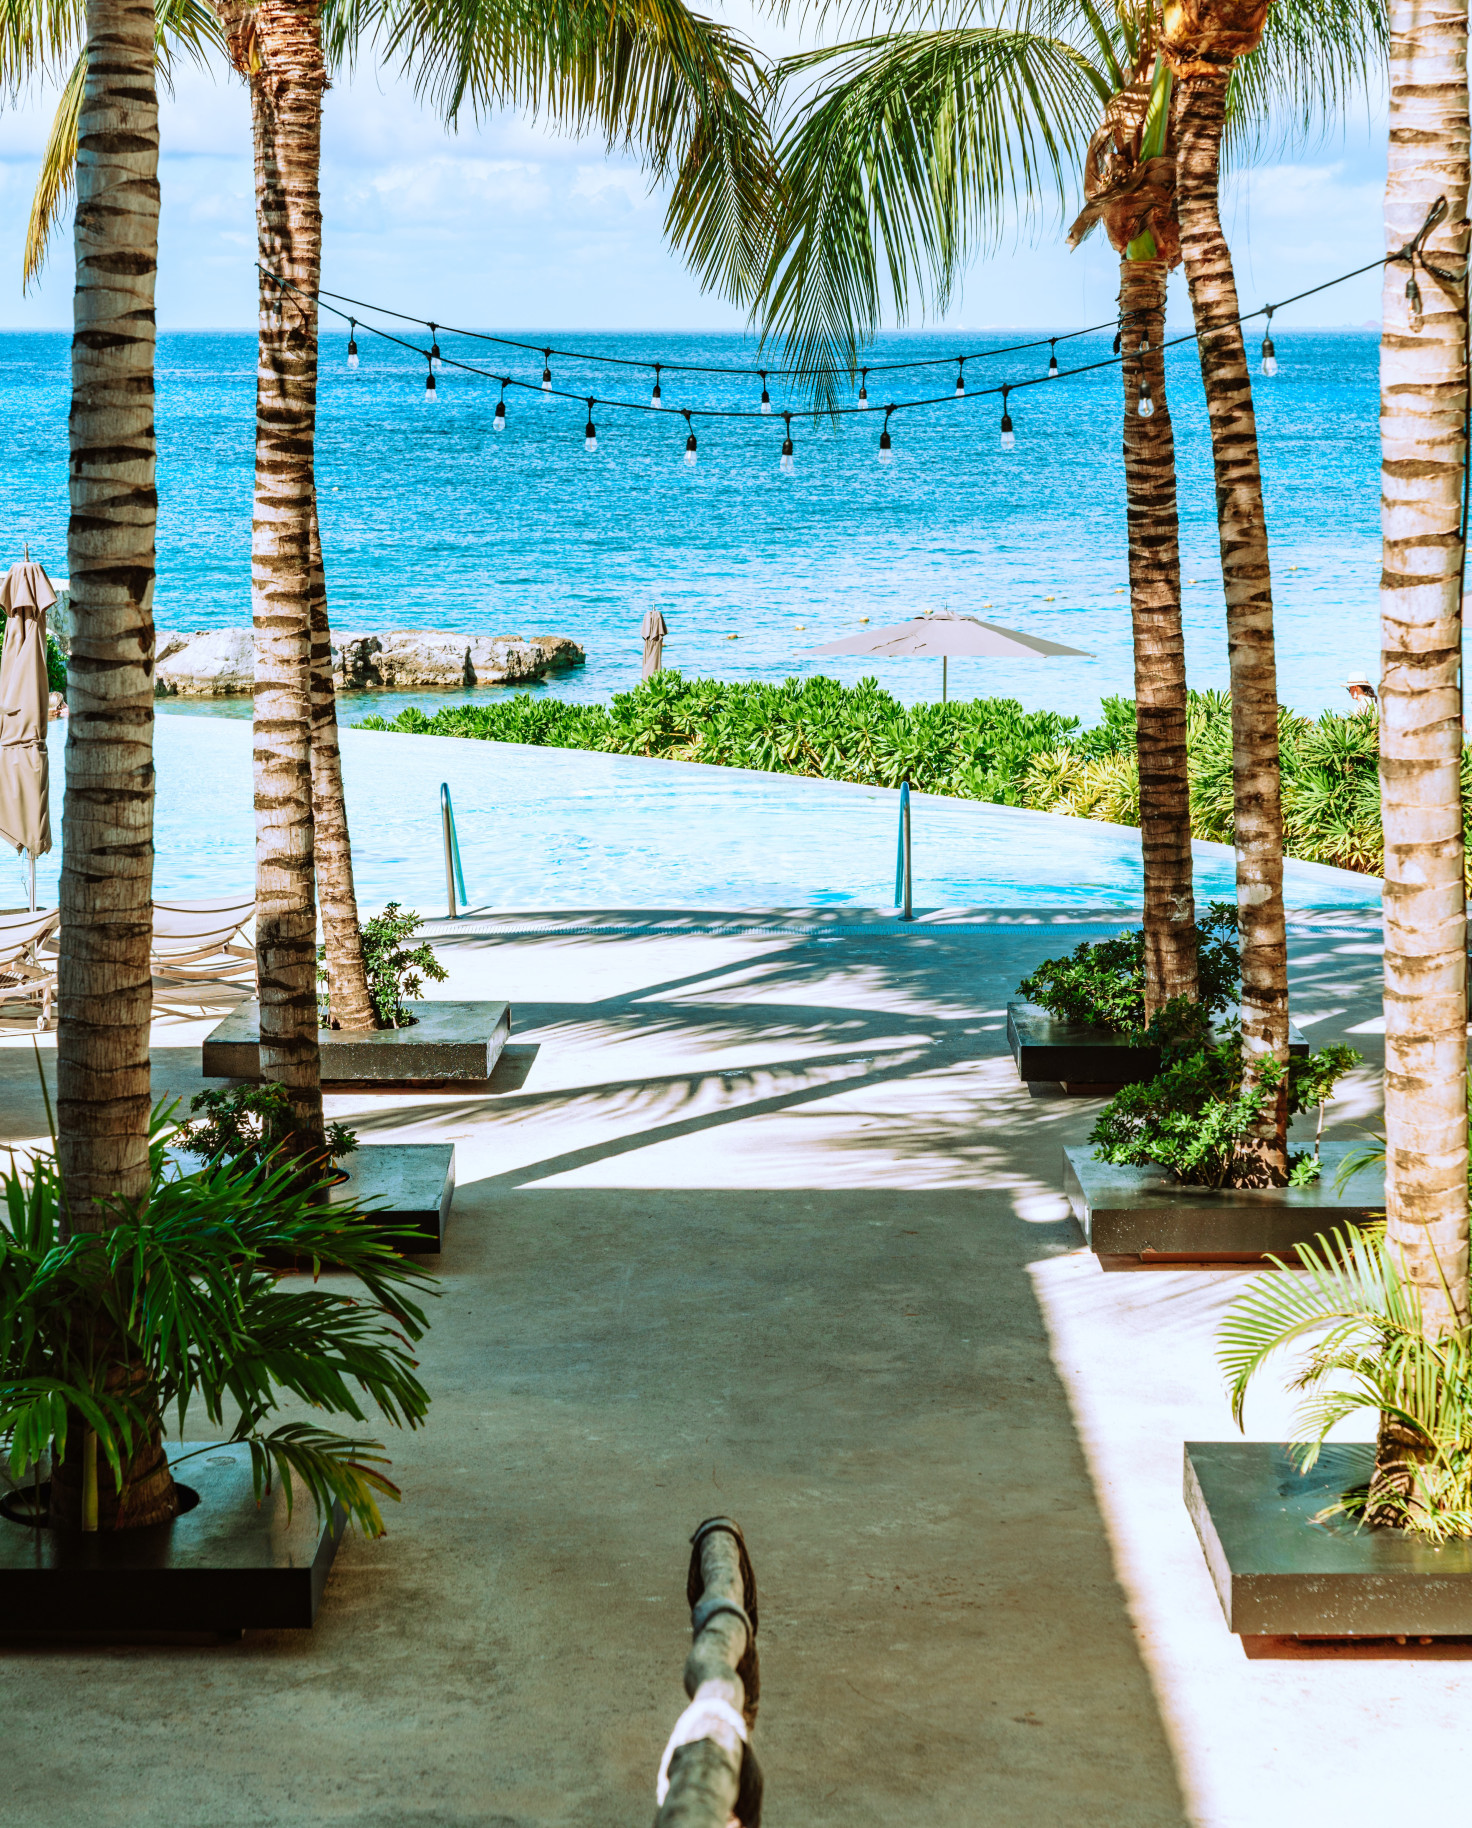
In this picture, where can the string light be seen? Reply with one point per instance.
(1118, 338)
(690, 442)
(431, 394)
(590, 431)
(1009, 439)
(435, 361)
(546, 371)
(1053, 361)
(498, 424)
(352, 344)
(886, 444)
(864, 391)
(1269, 354)
(1145, 406)
(961, 379)
(656, 399)
(786, 466)
(766, 397)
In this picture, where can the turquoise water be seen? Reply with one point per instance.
(431, 519)
(555, 828)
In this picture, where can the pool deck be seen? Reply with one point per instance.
(762, 1223)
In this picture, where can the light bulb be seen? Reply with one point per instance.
(786, 465)
(1269, 357)
(864, 392)
(766, 397)
(590, 431)
(431, 393)
(1009, 439)
(690, 450)
(498, 424)
(1053, 362)
(961, 381)
(352, 354)
(546, 371)
(1145, 406)
(1145, 343)
(434, 351)
(656, 399)
(886, 447)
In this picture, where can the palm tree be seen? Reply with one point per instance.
(1129, 184)
(107, 851)
(1423, 405)
(908, 154)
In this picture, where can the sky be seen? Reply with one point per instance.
(505, 224)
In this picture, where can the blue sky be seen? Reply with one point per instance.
(506, 224)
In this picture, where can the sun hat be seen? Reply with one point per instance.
(1357, 679)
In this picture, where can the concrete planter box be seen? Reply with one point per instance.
(225, 1566)
(1279, 1574)
(449, 1042)
(408, 1187)
(1047, 1049)
(1143, 1212)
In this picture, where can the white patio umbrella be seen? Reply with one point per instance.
(654, 634)
(25, 812)
(944, 635)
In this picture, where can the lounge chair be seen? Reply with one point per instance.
(26, 976)
(199, 941)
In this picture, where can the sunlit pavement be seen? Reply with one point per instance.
(760, 1222)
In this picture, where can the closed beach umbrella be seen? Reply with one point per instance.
(654, 634)
(945, 635)
(25, 814)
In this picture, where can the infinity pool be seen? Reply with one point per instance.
(561, 828)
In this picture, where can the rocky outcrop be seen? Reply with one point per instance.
(405, 659)
(220, 663)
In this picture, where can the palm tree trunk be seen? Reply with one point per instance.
(347, 980)
(287, 76)
(1200, 100)
(106, 984)
(1160, 654)
(106, 981)
(1423, 406)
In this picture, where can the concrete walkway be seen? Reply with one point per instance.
(763, 1223)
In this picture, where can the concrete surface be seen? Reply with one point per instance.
(765, 1224)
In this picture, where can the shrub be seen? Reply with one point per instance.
(1191, 1117)
(396, 971)
(1101, 984)
(246, 1124)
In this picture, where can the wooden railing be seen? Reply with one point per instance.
(709, 1777)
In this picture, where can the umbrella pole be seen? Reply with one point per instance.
(944, 665)
(32, 857)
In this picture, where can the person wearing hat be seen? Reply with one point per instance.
(1361, 691)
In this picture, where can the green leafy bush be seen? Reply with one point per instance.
(106, 1336)
(246, 1124)
(1190, 1118)
(1366, 1346)
(396, 970)
(1101, 983)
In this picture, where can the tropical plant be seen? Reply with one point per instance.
(106, 984)
(1197, 1118)
(1101, 983)
(105, 1337)
(396, 971)
(1423, 412)
(247, 1124)
(1368, 1343)
(911, 148)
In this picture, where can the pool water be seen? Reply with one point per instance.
(562, 828)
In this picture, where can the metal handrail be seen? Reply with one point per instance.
(454, 875)
(903, 874)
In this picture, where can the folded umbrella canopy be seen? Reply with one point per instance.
(25, 812)
(654, 634)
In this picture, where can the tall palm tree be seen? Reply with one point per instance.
(106, 981)
(907, 153)
(1423, 408)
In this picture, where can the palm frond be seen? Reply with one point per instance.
(648, 75)
(1316, 58)
(906, 156)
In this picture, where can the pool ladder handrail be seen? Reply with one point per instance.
(903, 872)
(454, 875)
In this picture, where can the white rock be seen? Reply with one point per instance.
(214, 663)
(220, 663)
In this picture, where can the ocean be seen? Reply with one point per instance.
(431, 519)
